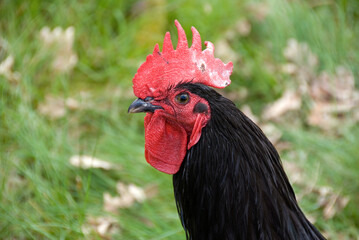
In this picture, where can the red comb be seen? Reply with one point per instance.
(172, 66)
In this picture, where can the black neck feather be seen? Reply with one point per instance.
(232, 185)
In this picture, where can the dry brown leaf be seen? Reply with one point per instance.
(6, 70)
(72, 104)
(289, 68)
(86, 162)
(243, 27)
(6, 65)
(332, 96)
(105, 226)
(320, 88)
(52, 107)
(132, 190)
(340, 87)
(290, 101)
(331, 201)
(301, 64)
(320, 117)
(55, 107)
(61, 42)
(128, 195)
(329, 209)
(329, 115)
(300, 54)
(112, 204)
(138, 193)
(344, 88)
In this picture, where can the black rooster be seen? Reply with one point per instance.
(228, 179)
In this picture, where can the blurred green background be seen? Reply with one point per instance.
(66, 70)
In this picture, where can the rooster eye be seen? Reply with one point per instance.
(182, 98)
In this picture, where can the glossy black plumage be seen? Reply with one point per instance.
(231, 184)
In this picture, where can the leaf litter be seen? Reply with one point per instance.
(330, 201)
(333, 98)
(290, 100)
(128, 194)
(7, 63)
(87, 162)
(60, 41)
(104, 226)
(55, 107)
(52, 107)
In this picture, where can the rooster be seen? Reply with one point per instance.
(228, 179)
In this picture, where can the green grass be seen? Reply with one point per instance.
(43, 197)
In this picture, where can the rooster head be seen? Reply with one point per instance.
(175, 116)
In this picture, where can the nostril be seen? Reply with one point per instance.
(148, 99)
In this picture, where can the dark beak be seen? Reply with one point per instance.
(140, 105)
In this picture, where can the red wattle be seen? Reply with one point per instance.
(165, 143)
